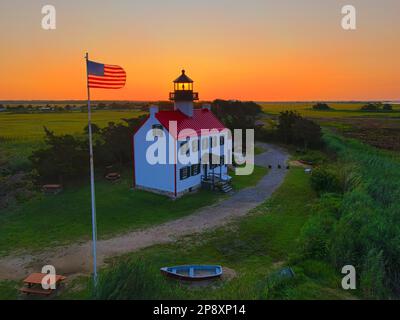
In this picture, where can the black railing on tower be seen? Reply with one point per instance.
(183, 95)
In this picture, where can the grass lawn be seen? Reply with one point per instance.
(241, 182)
(254, 247)
(55, 220)
(9, 290)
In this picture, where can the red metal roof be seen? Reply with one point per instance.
(140, 124)
(201, 119)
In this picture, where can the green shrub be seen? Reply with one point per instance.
(371, 107)
(324, 180)
(387, 107)
(372, 279)
(296, 130)
(316, 234)
(313, 156)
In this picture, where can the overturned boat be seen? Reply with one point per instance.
(193, 272)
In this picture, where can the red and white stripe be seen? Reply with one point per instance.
(114, 78)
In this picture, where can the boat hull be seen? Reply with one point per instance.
(192, 272)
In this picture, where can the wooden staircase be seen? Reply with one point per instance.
(224, 187)
(219, 185)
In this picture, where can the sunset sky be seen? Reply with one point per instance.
(259, 50)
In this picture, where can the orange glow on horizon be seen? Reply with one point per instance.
(262, 59)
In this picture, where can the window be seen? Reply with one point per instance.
(183, 86)
(213, 141)
(212, 159)
(221, 140)
(184, 148)
(184, 173)
(157, 126)
(195, 145)
(157, 130)
(195, 170)
(204, 144)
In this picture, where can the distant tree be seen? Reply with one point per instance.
(387, 107)
(294, 129)
(321, 106)
(63, 158)
(116, 140)
(307, 133)
(134, 123)
(95, 129)
(237, 114)
(286, 121)
(371, 107)
(117, 143)
(164, 105)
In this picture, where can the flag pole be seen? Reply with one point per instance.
(94, 227)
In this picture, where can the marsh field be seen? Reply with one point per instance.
(380, 129)
(277, 234)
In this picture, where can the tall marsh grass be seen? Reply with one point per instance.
(135, 280)
(364, 229)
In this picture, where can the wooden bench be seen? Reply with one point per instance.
(36, 291)
(33, 284)
(52, 188)
(113, 176)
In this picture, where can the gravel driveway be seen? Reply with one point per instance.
(76, 258)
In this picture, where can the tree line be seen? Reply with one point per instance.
(65, 157)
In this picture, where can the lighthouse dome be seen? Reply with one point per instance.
(183, 78)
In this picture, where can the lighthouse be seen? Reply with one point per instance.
(183, 95)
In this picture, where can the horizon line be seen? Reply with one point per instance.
(246, 100)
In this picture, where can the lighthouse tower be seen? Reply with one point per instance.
(183, 94)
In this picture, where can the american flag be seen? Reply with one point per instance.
(105, 76)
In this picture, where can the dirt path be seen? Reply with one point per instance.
(76, 258)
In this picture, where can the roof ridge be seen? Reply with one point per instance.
(199, 121)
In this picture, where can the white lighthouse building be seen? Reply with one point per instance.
(206, 143)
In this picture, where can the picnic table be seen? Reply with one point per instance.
(113, 176)
(52, 188)
(34, 284)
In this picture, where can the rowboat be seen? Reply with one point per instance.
(193, 272)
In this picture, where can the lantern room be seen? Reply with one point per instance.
(183, 89)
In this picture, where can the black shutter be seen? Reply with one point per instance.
(184, 173)
(195, 169)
